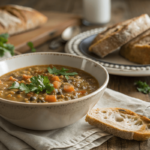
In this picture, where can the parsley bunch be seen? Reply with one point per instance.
(37, 85)
(142, 87)
(4, 47)
(61, 72)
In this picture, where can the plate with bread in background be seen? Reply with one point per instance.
(123, 48)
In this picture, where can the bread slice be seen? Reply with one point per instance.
(15, 19)
(138, 49)
(115, 36)
(120, 122)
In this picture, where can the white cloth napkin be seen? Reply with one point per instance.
(79, 136)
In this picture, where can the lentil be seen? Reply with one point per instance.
(82, 81)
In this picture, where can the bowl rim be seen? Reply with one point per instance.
(59, 103)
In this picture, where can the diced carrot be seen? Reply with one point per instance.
(82, 92)
(26, 77)
(1, 82)
(55, 78)
(56, 84)
(50, 98)
(69, 88)
(12, 78)
(30, 94)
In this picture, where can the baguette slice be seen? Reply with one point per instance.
(138, 49)
(15, 19)
(115, 36)
(120, 122)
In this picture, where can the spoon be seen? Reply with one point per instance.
(66, 35)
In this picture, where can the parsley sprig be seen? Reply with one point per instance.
(37, 85)
(61, 72)
(4, 46)
(142, 87)
(30, 44)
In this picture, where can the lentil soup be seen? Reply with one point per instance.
(46, 84)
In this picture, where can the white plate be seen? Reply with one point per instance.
(114, 63)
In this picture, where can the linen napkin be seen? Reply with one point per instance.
(79, 136)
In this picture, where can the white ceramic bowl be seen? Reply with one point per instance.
(52, 115)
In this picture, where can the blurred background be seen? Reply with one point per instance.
(121, 9)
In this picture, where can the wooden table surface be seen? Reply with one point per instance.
(121, 10)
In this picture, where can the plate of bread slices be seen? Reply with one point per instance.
(124, 48)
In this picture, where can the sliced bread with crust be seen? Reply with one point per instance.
(120, 122)
(115, 36)
(15, 19)
(138, 49)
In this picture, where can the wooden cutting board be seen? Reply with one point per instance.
(57, 22)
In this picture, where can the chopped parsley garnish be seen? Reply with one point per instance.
(37, 85)
(4, 47)
(142, 87)
(30, 44)
(61, 72)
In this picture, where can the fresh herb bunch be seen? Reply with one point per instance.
(30, 44)
(142, 87)
(61, 72)
(4, 46)
(37, 85)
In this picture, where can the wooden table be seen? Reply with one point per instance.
(121, 10)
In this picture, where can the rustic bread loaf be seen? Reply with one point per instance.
(114, 37)
(15, 19)
(120, 122)
(138, 49)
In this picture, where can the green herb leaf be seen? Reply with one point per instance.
(37, 85)
(4, 47)
(15, 85)
(9, 48)
(23, 87)
(61, 72)
(142, 87)
(2, 51)
(50, 70)
(30, 44)
(49, 88)
(4, 35)
(66, 77)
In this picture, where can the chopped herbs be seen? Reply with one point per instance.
(15, 85)
(61, 72)
(38, 84)
(30, 44)
(4, 47)
(142, 87)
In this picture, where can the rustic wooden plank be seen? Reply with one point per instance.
(144, 145)
(138, 7)
(126, 86)
(102, 147)
(129, 145)
(50, 5)
(114, 144)
(119, 10)
(77, 7)
(5, 2)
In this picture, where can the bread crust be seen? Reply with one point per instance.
(15, 19)
(119, 35)
(138, 49)
(139, 134)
